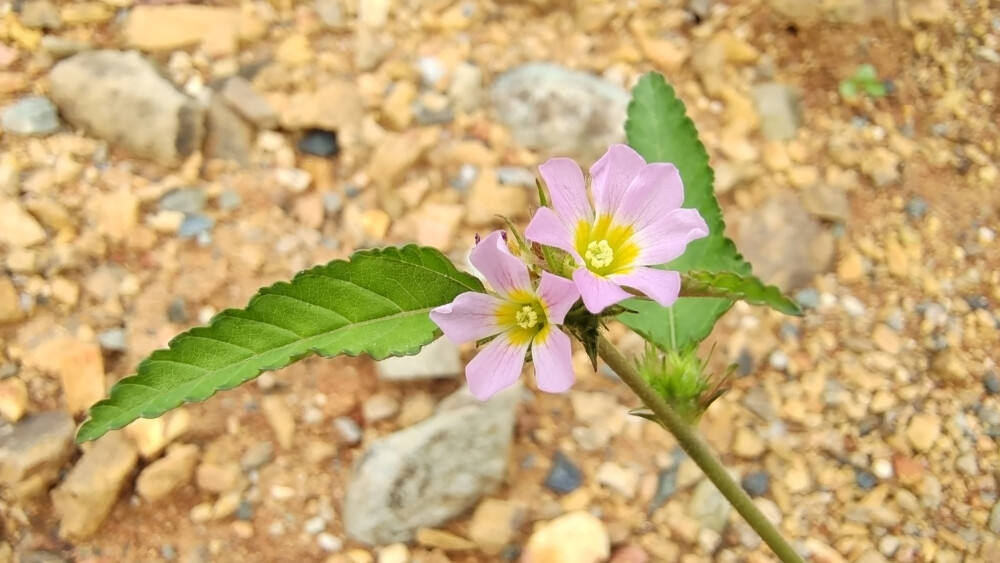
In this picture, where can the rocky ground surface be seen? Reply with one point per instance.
(160, 161)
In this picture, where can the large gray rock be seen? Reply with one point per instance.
(33, 452)
(440, 358)
(122, 98)
(432, 471)
(785, 244)
(559, 110)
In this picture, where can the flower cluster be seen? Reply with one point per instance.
(634, 221)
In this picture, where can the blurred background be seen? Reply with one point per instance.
(161, 160)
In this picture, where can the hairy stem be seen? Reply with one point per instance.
(699, 451)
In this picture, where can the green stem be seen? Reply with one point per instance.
(699, 451)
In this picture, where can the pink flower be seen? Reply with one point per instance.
(636, 221)
(519, 315)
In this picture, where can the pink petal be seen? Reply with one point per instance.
(667, 237)
(655, 191)
(468, 318)
(546, 228)
(557, 295)
(553, 360)
(662, 286)
(612, 174)
(567, 190)
(502, 270)
(597, 292)
(496, 367)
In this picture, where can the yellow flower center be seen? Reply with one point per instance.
(606, 247)
(527, 317)
(524, 316)
(599, 253)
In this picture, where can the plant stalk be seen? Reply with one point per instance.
(699, 451)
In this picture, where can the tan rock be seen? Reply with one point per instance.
(748, 443)
(86, 13)
(397, 109)
(487, 199)
(737, 50)
(219, 477)
(280, 419)
(169, 473)
(157, 28)
(493, 524)
(334, 106)
(295, 50)
(79, 366)
(948, 367)
(85, 498)
(851, 267)
(116, 214)
(13, 398)
(151, 435)
(10, 302)
(393, 157)
(438, 223)
(441, 539)
(922, 431)
(20, 228)
(577, 536)
(33, 452)
(886, 339)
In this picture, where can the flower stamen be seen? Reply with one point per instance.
(599, 254)
(527, 317)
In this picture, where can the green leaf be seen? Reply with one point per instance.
(848, 89)
(659, 129)
(734, 286)
(866, 73)
(375, 303)
(875, 89)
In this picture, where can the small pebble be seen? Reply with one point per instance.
(184, 200)
(808, 298)
(991, 381)
(314, 525)
(916, 208)
(177, 310)
(195, 225)
(431, 70)
(32, 115)
(866, 480)
(332, 202)
(113, 340)
(744, 362)
(778, 360)
(756, 484)
(229, 199)
(329, 542)
(349, 430)
(168, 552)
(853, 306)
(244, 511)
(564, 476)
(466, 175)
(318, 142)
(882, 468)
(516, 176)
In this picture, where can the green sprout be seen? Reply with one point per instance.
(865, 80)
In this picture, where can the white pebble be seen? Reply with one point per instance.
(778, 360)
(314, 525)
(853, 306)
(329, 542)
(882, 468)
